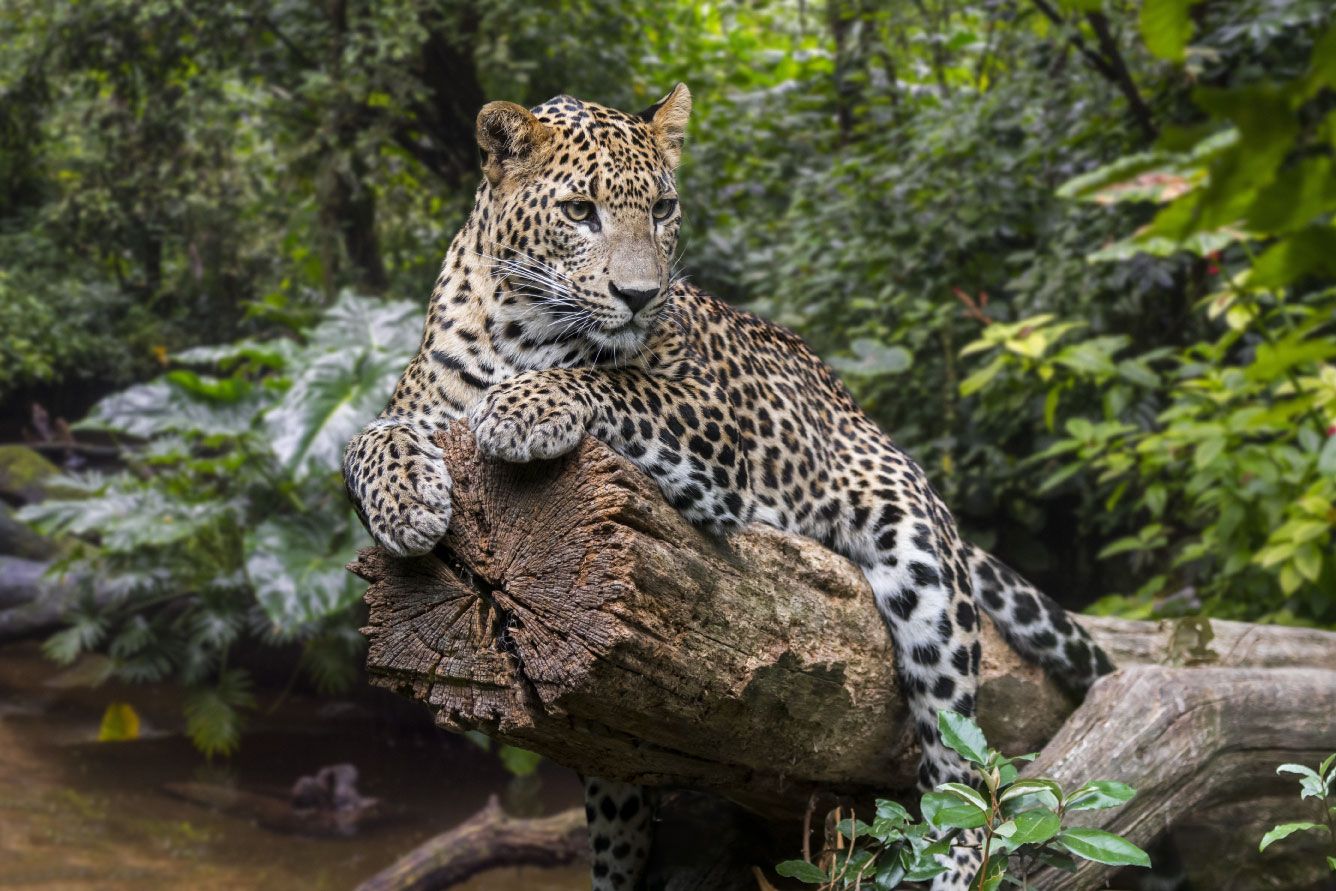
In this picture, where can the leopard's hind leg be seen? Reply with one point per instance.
(621, 827)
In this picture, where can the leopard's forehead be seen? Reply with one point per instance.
(602, 147)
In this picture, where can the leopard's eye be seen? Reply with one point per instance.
(663, 208)
(578, 211)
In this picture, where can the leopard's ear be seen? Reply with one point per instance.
(668, 118)
(511, 138)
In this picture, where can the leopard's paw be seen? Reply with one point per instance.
(401, 488)
(521, 427)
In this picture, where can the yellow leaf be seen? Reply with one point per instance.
(120, 723)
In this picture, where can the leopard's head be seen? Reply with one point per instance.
(580, 212)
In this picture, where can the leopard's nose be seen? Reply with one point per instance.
(634, 295)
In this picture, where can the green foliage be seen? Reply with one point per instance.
(1097, 341)
(1221, 455)
(1321, 785)
(883, 178)
(229, 520)
(1021, 823)
(167, 168)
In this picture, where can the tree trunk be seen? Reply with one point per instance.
(572, 612)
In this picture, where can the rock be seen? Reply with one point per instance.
(24, 473)
(18, 540)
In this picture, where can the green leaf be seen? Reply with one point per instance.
(1326, 459)
(1034, 827)
(125, 514)
(1045, 792)
(853, 828)
(802, 871)
(1273, 360)
(943, 810)
(1299, 770)
(963, 736)
(341, 381)
(1166, 27)
(120, 723)
(874, 357)
(1285, 830)
(1322, 65)
(965, 793)
(924, 867)
(1102, 847)
(892, 810)
(1099, 794)
(274, 354)
(1311, 251)
(213, 719)
(889, 875)
(519, 762)
(1050, 857)
(168, 406)
(991, 879)
(980, 379)
(1297, 195)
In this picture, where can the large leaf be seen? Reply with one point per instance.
(124, 514)
(340, 381)
(274, 354)
(169, 406)
(295, 564)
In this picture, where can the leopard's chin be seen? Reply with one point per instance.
(620, 342)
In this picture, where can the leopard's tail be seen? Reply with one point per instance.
(1035, 625)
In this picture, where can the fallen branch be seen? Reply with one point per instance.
(485, 841)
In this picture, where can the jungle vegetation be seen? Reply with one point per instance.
(1078, 256)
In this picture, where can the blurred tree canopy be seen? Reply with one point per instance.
(1076, 255)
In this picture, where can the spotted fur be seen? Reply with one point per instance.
(556, 314)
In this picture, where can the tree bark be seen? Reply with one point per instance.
(571, 611)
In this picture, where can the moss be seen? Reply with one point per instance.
(23, 473)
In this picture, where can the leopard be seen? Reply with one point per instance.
(558, 313)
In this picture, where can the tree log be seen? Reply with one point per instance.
(1201, 746)
(571, 611)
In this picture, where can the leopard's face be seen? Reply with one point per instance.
(584, 217)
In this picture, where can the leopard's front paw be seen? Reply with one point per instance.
(401, 488)
(519, 424)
